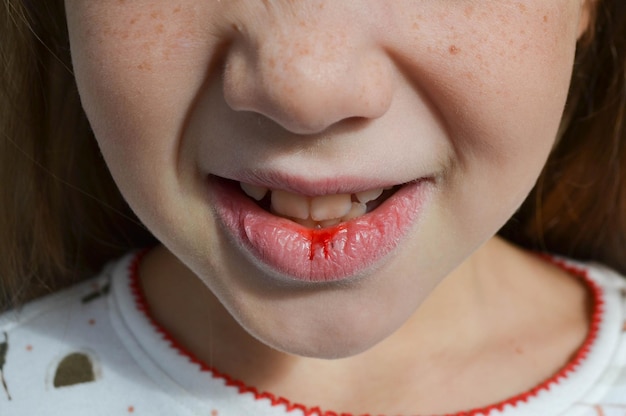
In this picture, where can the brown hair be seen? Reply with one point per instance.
(61, 216)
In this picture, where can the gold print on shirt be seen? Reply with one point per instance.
(4, 348)
(75, 368)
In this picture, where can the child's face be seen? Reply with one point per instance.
(324, 97)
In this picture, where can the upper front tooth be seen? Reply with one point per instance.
(308, 223)
(327, 207)
(253, 191)
(367, 196)
(290, 205)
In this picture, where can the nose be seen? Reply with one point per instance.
(308, 74)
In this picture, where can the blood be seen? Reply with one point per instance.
(321, 238)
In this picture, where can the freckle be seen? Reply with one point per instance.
(453, 50)
(176, 10)
(416, 26)
(545, 19)
(469, 10)
(519, 350)
(144, 66)
(133, 21)
(160, 29)
(521, 7)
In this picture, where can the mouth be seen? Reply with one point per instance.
(317, 238)
(317, 212)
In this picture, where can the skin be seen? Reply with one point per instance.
(468, 93)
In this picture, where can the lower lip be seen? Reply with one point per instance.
(295, 252)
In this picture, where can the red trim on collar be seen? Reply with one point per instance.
(580, 355)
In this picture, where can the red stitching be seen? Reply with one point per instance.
(579, 356)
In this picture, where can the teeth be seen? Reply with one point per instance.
(367, 196)
(329, 223)
(308, 223)
(358, 209)
(290, 205)
(329, 207)
(253, 191)
(314, 212)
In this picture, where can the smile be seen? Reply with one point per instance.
(319, 211)
(318, 238)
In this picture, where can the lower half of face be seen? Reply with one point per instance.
(323, 165)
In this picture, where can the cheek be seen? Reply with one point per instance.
(498, 75)
(510, 82)
(132, 66)
(509, 119)
(506, 62)
(138, 67)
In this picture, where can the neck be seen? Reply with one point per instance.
(479, 319)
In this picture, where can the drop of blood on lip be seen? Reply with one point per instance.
(321, 238)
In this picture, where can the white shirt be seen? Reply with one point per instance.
(94, 350)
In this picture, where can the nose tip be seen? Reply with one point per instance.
(308, 82)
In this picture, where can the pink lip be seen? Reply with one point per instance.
(317, 255)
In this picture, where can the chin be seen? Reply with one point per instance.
(327, 338)
(326, 348)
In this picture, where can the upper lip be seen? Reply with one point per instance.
(308, 186)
